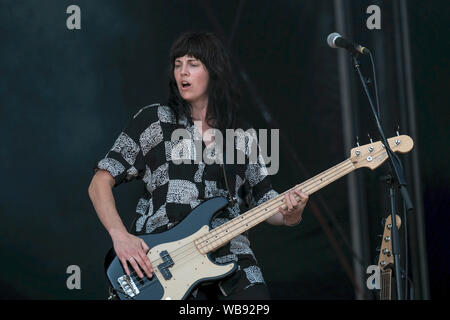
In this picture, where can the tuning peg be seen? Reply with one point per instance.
(398, 130)
(357, 141)
(383, 221)
(371, 141)
(378, 249)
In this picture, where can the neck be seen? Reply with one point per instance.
(221, 235)
(386, 278)
(198, 110)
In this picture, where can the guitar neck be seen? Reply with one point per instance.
(224, 233)
(385, 291)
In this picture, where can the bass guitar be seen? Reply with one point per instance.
(386, 259)
(180, 255)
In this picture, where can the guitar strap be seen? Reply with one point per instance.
(231, 199)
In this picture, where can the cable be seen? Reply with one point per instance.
(375, 83)
(405, 222)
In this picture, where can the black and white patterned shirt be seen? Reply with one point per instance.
(145, 151)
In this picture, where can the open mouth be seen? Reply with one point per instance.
(185, 84)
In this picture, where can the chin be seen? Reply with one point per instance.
(188, 97)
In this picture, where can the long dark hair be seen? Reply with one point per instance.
(223, 94)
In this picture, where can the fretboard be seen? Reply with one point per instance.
(223, 234)
(386, 278)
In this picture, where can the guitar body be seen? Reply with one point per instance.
(177, 263)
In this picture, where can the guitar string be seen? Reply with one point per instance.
(256, 215)
(272, 204)
(304, 185)
(385, 292)
(189, 254)
(221, 229)
(388, 283)
(237, 228)
(264, 208)
(313, 180)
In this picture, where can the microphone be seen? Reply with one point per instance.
(335, 40)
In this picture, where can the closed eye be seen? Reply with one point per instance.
(194, 65)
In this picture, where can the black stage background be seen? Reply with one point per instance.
(66, 94)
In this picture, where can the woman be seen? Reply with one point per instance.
(202, 96)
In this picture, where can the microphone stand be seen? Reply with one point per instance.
(396, 180)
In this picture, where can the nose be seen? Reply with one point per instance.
(184, 70)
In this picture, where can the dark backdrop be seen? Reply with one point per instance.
(65, 96)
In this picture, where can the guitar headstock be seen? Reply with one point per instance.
(386, 258)
(372, 155)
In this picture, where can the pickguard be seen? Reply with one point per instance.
(189, 266)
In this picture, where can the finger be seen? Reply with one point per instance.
(147, 265)
(147, 258)
(144, 246)
(142, 265)
(287, 200)
(293, 200)
(135, 266)
(125, 266)
(283, 211)
(302, 195)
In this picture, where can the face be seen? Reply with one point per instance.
(194, 73)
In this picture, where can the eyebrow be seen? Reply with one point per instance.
(192, 59)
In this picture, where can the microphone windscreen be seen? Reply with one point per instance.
(332, 38)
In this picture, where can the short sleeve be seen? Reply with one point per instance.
(256, 172)
(125, 161)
